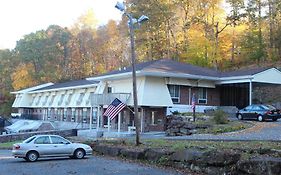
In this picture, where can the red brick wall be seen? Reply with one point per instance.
(213, 95)
(160, 117)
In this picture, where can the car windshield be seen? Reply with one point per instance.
(269, 107)
(29, 139)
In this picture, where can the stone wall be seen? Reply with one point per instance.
(211, 162)
(23, 136)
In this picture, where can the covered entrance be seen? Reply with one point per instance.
(234, 95)
(247, 87)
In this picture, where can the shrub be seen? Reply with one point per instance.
(220, 117)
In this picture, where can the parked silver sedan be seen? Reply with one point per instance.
(40, 146)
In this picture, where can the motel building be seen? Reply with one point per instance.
(163, 86)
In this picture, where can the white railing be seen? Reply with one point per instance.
(106, 99)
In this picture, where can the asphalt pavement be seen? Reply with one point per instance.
(92, 165)
(261, 131)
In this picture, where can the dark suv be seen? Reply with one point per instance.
(260, 112)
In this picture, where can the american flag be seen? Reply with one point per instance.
(114, 108)
(193, 102)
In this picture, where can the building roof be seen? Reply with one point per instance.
(174, 67)
(166, 66)
(67, 84)
(243, 72)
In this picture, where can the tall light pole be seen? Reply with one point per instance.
(132, 21)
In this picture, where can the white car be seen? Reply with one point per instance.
(40, 146)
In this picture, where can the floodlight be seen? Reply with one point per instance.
(134, 21)
(143, 18)
(120, 6)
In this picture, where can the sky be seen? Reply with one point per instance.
(22, 17)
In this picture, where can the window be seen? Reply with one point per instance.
(68, 99)
(80, 99)
(32, 101)
(73, 116)
(61, 99)
(58, 140)
(46, 99)
(248, 108)
(38, 100)
(175, 93)
(202, 96)
(42, 140)
(84, 116)
(95, 114)
(52, 100)
(29, 139)
(109, 90)
(64, 115)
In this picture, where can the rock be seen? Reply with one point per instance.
(219, 158)
(156, 154)
(177, 126)
(189, 126)
(107, 150)
(132, 154)
(260, 166)
(210, 170)
(185, 131)
(187, 155)
(202, 126)
(114, 151)
(174, 130)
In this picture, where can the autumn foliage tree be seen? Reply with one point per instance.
(212, 33)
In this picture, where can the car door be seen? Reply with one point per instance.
(43, 145)
(247, 112)
(61, 146)
(255, 111)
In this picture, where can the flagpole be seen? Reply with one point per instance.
(130, 110)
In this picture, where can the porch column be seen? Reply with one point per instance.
(108, 124)
(119, 122)
(98, 118)
(250, 92)
(189, 96)
(142, 116)
(91, 117)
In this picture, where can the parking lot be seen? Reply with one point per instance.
(64, 166)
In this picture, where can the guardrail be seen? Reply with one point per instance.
(106, 99)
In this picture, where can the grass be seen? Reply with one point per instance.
(215, 128)
(246, 148)
(223, 128)
(247, 145)
(8, 144)
(216, 123)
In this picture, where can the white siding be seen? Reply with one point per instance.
(155, 93)
(189, 82)
(269, 76)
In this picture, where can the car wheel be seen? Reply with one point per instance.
(240, 117)
(260, 118)
(274, 119)
(79, 154)
(32, 156)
